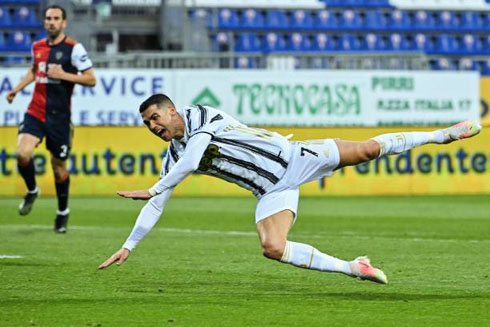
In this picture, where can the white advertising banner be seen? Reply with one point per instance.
(335, 98)
(113, 101)
(270, 98)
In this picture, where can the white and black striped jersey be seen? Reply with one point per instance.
(255, 159)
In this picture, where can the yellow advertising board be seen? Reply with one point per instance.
(107, 159)
(485, 100)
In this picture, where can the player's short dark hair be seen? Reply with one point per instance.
(63, 11)
(161, 100)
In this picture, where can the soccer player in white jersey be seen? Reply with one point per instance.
(208, 141)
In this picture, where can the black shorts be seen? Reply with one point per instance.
(59, 134)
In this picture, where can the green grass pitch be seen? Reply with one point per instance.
(202, 265)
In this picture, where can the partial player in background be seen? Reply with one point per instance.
(59, 63)
(208, 141)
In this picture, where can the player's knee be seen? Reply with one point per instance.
(23, 156)
(59, 170)
(273, 250)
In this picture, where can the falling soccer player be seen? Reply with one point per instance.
(208, 141)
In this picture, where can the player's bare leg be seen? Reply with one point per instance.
(26, 143)
(273, 233)
(62, 183)
(353, 153)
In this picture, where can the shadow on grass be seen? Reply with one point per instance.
(22, 264)
(189, 298)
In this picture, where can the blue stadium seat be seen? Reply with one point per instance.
(471, 44)
(323, 42)
(447, 44)
(351, 20)
(301, 19)
(399, 20)
(376, 3)
(443, 64)
(325, 20)
(298, 42)
(351, 3)
(348, 42)
(423, 43)
(5, 17)
(375, 20)
(245, 63)
(276, 19)
(468, 64)
(471, 21)
(423, 20)
(397, 42)
(372, 42)
(3, 45)
(221, 42)
(248, 42)
(24, 17)
(252, 19)
(447, 20)
(486, 45)
(273, 42)
(227, 18)
(485, 67)
(486, 21)
(19, 41)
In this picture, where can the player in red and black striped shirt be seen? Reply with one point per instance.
(59, 63)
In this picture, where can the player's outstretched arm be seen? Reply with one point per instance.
(148, 217)
(28, 79)
(135, 195)
(119, 257)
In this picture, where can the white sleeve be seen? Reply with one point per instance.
(148, 217)
(79, 58)
(186, 165)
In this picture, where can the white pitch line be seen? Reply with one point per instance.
(251, 234)
(6, 256)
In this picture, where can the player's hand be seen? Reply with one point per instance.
(135, 195)
(119, 257)
(55, 72)
(10, 96)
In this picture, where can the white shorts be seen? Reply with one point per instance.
(309, 161)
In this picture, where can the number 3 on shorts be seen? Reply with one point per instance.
(64, 151)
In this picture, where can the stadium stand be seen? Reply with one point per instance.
(302, 28)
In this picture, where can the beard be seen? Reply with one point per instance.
(54, 33)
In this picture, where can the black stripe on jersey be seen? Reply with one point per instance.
(167, 163)
(256, 187)
(173, 153)
(255, 149)
(215, 118)
(189, 124)
(204, 115)
(250, 166)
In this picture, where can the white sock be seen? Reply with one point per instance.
(395, 143)
(64, 212)
(306, 256)
(34, 190)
